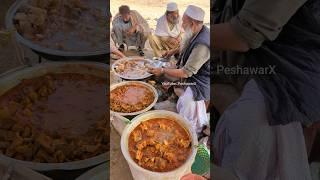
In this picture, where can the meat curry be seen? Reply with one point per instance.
(159, 145)
(130, 98)
(54, 118)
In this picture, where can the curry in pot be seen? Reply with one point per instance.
(54, 118)
(159, 145)
(130, 98)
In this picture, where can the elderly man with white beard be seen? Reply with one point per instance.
(193, 69)
(168, 31)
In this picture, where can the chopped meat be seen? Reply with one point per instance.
(130, 98)
(42, 21)
(159, 148)
(139, 155)
(137, 136)
(22, 138)
(184, 143)
(45, 141)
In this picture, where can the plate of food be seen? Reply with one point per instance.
(131, 98)
(132, 68)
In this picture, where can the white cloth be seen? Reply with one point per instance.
(246, 145)
(195, 12)
(172, 6)
(194, 111)
(162, 28)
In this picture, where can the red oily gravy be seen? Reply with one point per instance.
(75, 104)
(133, 95)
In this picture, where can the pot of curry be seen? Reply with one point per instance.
(159, 145)
(130, 98)
(53, 116)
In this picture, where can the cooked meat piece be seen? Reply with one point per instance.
(44, 156)
(27, 132)
(137, 136)
(46, 142)
(161, 163)
(150, 133)
(27, 112)
(184, 143)
(142, 144)
(59, 156)
(170, 156)
(37, 16)
(139, 155)
(26, 150)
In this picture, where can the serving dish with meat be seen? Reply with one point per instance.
(132, 68)
(53, 116)
(158, 144)
(72, 28)
(132, 97)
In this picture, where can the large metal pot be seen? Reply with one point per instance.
(54, 54)
(140, 173)
(151, 88)
(11, 79)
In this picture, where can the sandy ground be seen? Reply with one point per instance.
(153, 9)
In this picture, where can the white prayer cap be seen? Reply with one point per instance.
(172, 6)
(195, 12)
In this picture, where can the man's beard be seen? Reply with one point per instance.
(175, 20)
(188, 35)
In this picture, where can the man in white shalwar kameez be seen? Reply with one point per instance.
(168, 31)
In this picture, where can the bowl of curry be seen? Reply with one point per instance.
(159, 144)
(72, 29)
(131, 98)
(53, 116)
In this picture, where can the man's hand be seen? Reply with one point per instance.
(192, 177)
(156, 71)
(131, 30)
(174, 41)
(169, 53)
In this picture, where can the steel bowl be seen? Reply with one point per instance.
(55, 54)
(12, 78)
(151, 88)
